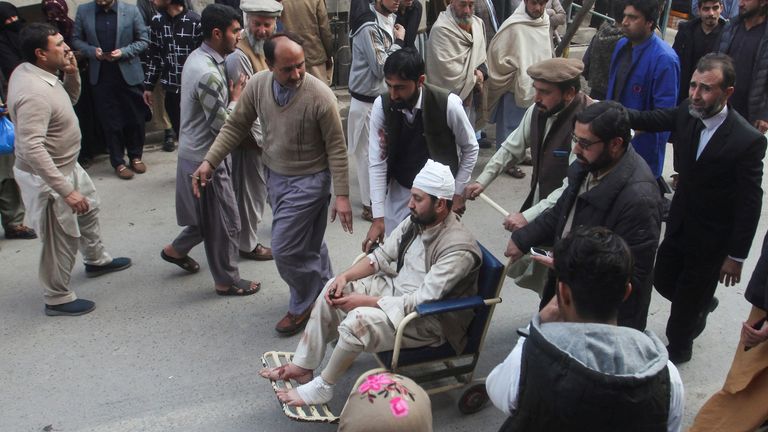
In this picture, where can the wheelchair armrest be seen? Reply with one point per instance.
(443, 306)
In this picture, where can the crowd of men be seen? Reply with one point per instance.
(246, 92)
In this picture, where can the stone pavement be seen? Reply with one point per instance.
(163, 352)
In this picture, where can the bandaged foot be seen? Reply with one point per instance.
(287, 372)
(315, 392)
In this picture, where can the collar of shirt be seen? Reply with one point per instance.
(714, 122)
(282, 93)
(410, 114)
(386, 23)
(45, 75)
(212, 53)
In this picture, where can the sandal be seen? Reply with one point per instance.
(515, 172)
(240, 288)
(123, 172)
(185, 263)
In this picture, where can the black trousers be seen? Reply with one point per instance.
(122, 114)
(686, 274)
(172, 104)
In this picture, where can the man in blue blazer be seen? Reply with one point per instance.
(112, 35)
(716, 207)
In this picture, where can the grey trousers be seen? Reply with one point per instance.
(251, 192)
(11, 206)
(213, 219)
(299, 217)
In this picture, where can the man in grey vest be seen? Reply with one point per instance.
(574, 368)
(411, 123)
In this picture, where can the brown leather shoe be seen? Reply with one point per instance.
(123, 172)
(292, 324)
(138, 166)
(259, 253)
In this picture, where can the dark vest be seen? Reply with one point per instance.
(558, 393)
(409, 146)
(550, 154)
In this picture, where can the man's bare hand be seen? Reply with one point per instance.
(730, 272)
(473, 190)
(546, 261)
(77, 202)
(148, 98)
(336, 289)
(479, 79)
(762, 126)
(342, 208)
(116, 55)
(514, 221)
(550, 312)
(71, 67)
(100, 55)
(458, 205)
(355, 300)
(236, 87)
(375, 234)
(513, 252)
(399, 32)
(202, 176)
(752, 337)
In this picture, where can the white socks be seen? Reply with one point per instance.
(315, 392)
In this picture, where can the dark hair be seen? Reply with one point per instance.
(596, 264)
(405, 64)
(565, 85)
(34, 36)
(701, 2)
(448, 203)
(179, 2)
(649, 9)
(218, 16)
(720, 61)
(607, 120)
(270, 45)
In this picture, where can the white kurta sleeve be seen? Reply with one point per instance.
(377, 160)
(512, 149)
(676, 399)
(465, 138)
(503, 383)
(441, 278)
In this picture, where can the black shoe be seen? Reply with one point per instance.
(117, 264)
(168, 142)
(20, 232)
(73, 308)
(679, 356)
(484, 143)
(703, 319)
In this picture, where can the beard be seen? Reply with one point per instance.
(424, 220)
(407, 103)
(602, 161)
(555, 109)
(747, 14)
(257, 45)
(707, 111)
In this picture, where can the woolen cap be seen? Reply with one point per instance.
(556, 70)
(270, 8)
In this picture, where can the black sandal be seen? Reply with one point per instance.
(240, 288)
(185, 263)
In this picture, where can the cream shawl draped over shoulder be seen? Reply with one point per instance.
(453, 54)
(520, 42)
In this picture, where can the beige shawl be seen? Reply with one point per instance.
(520, 42)
(453, 54)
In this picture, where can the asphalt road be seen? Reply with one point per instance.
(163, 352)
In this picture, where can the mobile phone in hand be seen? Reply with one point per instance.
(539, 252)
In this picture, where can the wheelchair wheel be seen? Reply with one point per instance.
(473, 399)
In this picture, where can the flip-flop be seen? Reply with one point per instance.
(185, 263)
(240, 288)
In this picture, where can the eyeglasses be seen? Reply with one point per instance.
(583, 143)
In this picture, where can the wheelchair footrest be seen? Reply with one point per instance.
(309, 413)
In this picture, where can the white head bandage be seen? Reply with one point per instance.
(435, 179)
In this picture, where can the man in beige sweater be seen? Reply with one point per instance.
(303, 151)
(60, 198)
(308, 19)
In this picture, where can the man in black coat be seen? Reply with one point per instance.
(695, 38)
(609, 185)
(716, 207)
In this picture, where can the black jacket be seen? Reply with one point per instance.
(683, 46)
(626, 201)
(757, 290)
(718, 197)
(758, 92)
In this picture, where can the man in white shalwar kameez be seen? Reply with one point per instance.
(429, 257)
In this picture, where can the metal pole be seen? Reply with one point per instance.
(573, 26)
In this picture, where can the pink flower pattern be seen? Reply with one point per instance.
(374, 383)
(399, 407)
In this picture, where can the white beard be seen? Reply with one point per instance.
(257, 45)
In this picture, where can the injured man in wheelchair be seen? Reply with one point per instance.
(429, 256)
